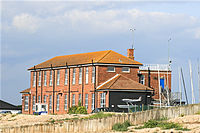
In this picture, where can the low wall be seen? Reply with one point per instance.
(104, 124)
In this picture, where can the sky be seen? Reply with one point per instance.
(35, 31)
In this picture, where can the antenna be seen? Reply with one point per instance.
(133, 37)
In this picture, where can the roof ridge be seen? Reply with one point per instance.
(105, 55)
(117, 77)
(107, 81)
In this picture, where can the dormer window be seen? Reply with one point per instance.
(110, 69)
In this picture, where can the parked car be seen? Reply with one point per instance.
(103, 109)
(5, 112)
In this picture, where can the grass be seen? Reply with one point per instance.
(121, 126)
(98, 115)
(163, 124)
(94, 116)
(198, 113)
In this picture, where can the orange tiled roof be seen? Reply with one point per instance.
(26, 91)
(123, 83)
(107, 56)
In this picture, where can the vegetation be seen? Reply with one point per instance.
(163, 124)
(77, 110)
(99, 115)
(198, 113)
(121, 126)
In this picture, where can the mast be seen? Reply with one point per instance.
(169, 62)
(159, 85)
(133, 38)
(184, 86)
(199, 80)
(180, 89)
(192, 87)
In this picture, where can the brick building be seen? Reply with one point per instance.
(93, 79)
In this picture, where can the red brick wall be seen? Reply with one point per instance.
(101, 74)
(154, 80)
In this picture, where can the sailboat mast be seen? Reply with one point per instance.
(192, 87)
(160, 96)
(199, 80)
(184, 86)
(180, 89)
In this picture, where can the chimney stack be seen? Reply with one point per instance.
(130, 53)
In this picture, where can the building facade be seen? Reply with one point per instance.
(66, 81)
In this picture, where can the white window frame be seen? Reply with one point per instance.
(57, 102)
(45, 78)
(74, 76)
(66, 77)
(92, 101)
(58, 77)
(45, 98)
(80, 76)
(65, 105)
(110, 70)
(39, 82)
(33, 102)
(50, 78)
(93, 74)
(39, 99)
(103, 99)
(142, 80)
(34, 79)
(86, 75)
(126, 71)
(26, 102)
(79, 98)
(50, 102)
(86, 101)
(73, 100)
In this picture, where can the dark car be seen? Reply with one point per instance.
(104, 109)
(5, 112)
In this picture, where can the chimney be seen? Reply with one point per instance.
(130, 53)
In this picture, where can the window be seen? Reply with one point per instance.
(34, 78)
(33, 108)
(93, 74)
(45, 98)
(126, 69)
(39, 99)
(79, 98)
(39, 82)
(142, 79)
(66, 77)
(103, 99)
(86, 101)
(65, 105)
(80, 76)
(110, 69)
(58, 77)
(73, 100)
(45, 78)
(57, 102)
(86, 75)
(50, 102)
(93, 101)
(26, 103)
(74, 76)
(50, 79)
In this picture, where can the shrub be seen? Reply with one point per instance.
(72, 110)
(121, 126)
(81, 110)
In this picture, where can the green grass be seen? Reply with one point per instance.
(163, 124)
(121, 126)
(198, 113)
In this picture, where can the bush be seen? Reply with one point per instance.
(77, 110)
(81, 110)
(121, 126)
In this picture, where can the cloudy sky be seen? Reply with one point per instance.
(32, 32)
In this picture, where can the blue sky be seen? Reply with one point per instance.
(32, 32)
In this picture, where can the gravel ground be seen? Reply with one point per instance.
(7, 120)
